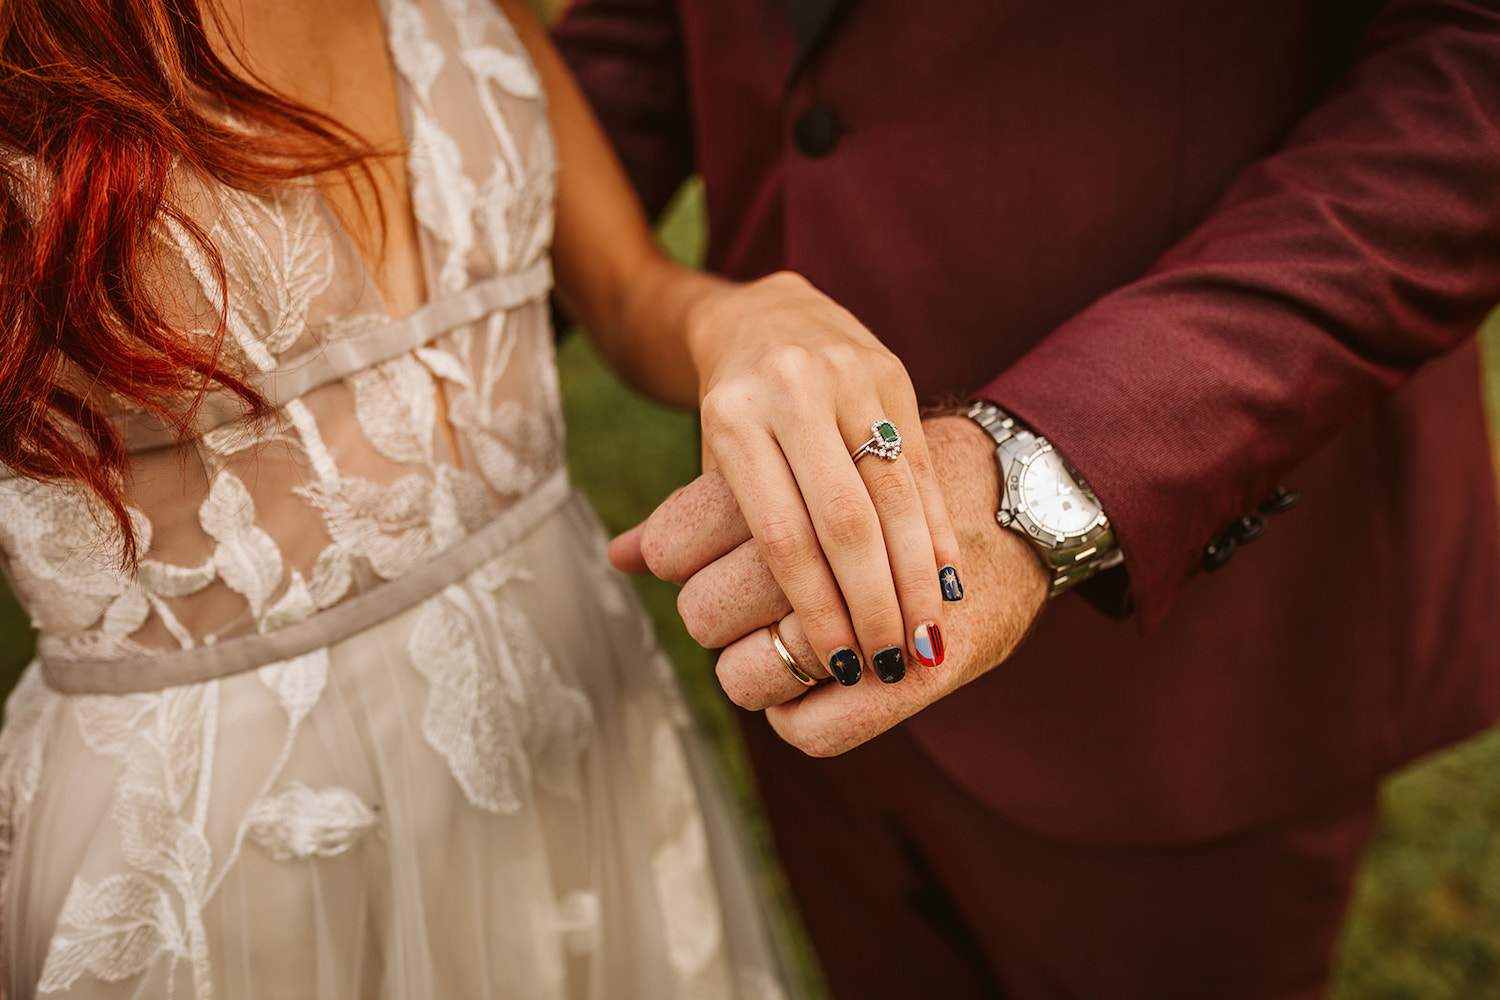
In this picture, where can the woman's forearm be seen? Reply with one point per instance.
(635, 303)
(788, 384)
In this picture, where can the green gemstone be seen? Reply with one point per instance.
(888, 431)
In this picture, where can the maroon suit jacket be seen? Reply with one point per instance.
(1206, 249)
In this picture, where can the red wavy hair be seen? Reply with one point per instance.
(101, 102)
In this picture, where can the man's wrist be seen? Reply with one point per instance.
(1003, 574)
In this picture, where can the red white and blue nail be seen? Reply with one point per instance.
(927, 642)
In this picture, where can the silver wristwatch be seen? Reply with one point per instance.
(1043, 499)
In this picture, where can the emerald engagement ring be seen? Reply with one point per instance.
(885, 441)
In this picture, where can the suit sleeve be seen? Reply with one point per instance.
(628, 58)
(1368, 244)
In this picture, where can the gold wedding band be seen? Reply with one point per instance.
(786, 657)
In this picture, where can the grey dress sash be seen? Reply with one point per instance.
(296, 377)
(204, 663)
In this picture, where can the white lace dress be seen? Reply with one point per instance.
(374, 718)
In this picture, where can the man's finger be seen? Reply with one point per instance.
(693, 527)
(625, 552)
(753, 674)
(732, 597)
(829, 719)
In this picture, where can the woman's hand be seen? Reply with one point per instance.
(698, 539)
(790, 385)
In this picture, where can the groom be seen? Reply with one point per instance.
(1219, 256)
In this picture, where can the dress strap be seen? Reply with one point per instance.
(341, 358)
(337, 359)
(204, 663)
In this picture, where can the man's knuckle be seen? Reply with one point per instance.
(734, 681)
(700, 616)
(661, 555)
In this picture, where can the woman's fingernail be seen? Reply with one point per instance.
(953, 590)
(928, 642)
(844, 666)
(890, 664)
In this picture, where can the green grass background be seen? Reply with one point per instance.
(1425, 922)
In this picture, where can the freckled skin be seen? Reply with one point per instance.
(1006, 590)
(713, 601)
(693, 525)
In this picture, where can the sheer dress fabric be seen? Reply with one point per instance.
(374, 718)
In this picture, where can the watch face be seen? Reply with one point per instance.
(1049, 493)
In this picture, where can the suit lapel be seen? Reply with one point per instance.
(811, 20)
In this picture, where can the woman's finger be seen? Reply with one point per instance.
(795, 382)
(945, 550)
(889, 478)
(848, 532)
(783, 525)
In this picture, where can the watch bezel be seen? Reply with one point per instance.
(1021, 510)
(1015, 514)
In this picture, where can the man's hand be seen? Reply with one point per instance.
(698, 538)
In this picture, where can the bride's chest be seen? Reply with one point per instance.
(465, 196)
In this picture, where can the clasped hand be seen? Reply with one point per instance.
(842, 555)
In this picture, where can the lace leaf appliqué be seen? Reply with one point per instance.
(497, 712)
(301, 823)
(115, 929)
(248, 559)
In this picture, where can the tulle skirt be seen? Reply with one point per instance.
(494, 794)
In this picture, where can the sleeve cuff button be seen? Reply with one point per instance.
(1248, 528)
(1280, 500)
(1217, 552)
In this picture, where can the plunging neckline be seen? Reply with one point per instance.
(422, 251)
(401, 91)
(422, 254)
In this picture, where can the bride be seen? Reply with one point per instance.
(335, 695)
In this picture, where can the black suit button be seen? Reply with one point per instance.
(816, 131)
(1217, 552)
(1280, 500)
(1248, 528)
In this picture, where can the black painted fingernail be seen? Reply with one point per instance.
(844, 665)
(952, 589)
(890, 664)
